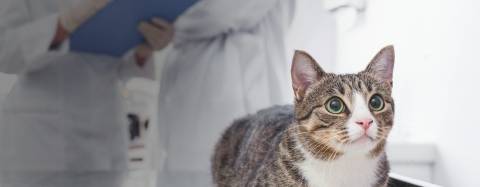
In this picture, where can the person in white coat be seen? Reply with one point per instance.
(62, 124)
(228, 60)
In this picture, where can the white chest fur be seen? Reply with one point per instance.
(347, 171)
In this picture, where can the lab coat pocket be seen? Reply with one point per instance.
(88, 150)
(31, 142)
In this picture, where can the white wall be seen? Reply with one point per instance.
(437, 75)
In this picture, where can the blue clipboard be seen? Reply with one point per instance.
(114, 30)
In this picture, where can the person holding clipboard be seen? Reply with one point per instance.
(228, 59)
(62, 123)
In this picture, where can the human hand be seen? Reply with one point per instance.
(60, 35)
(158, 33)
(143, 52)
(71, 18)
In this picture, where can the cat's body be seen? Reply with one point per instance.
(279, 159)
(266, 133)
(325, 140)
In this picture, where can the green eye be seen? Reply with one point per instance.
(376, 102)
(335, 105)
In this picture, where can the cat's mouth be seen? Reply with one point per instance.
(362, 139)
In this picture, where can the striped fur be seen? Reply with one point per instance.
(292, 145)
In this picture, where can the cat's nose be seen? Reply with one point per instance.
(365, 123)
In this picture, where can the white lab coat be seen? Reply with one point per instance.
(228, 60)
(64, 113)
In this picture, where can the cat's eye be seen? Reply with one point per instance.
(376, 102)
(335, 105)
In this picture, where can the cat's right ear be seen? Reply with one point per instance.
(305, 71)
(382, 64)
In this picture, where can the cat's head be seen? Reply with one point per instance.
(340, 114)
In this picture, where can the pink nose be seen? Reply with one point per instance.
(365, 123)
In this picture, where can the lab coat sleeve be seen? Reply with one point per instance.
(23, 38)
(210, 18)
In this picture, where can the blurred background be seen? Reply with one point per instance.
(436, 81)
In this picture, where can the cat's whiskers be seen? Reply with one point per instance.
(293, 127)
(323, 145)
(331, 157)
(343, 136)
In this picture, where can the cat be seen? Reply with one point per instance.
(333, 136)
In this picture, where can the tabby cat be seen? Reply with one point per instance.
(334, 135)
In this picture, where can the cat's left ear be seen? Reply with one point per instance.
(382, 64)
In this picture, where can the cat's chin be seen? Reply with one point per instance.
(362, 140)
(360, 146)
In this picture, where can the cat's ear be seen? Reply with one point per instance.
(305, 71)
(382, 64)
